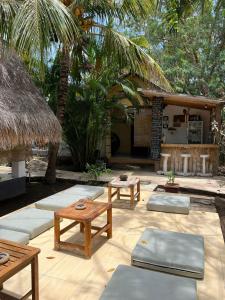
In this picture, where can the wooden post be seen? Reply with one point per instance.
(132, 197)
(81, 227)
(118, 193)
(109, 194)
(87, 234)
(139, 190)
(109, 221)
(57, 231)
(35, 278)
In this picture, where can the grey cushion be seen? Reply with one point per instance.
(56, 202)
(172, 252)
(89, 191)
(69, 196)
(28, 220)
(14, 236)
(172, 203)
(130, 283)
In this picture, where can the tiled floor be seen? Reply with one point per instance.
(68, 276)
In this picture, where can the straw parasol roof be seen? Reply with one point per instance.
(25, 117)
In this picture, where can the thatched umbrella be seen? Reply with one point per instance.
(25, 117)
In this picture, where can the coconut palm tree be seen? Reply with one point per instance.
(33, 25)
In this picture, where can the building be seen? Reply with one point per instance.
(170, 131)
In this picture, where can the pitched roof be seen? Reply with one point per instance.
(25, 116)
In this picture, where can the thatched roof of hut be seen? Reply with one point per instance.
(25, 117)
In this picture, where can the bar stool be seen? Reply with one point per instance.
(204, 174)
(165, 163)
(185, 157)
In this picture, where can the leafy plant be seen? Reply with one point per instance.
(94, 171)
(171, 177)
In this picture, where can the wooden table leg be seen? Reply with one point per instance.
(109, 221)
(109, 194)
(132, 196)
(81, 227)
(87, 239)
(57, 231)
(35, 278)
(1, 286)
(118, 193)
(139, 191)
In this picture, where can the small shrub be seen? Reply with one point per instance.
(94, 171)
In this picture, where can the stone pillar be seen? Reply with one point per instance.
(157, 116)
(18, 169)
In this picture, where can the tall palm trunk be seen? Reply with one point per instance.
(50, 175)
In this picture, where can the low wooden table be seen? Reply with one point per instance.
(83, 218)
(20, 257)
(130, 184)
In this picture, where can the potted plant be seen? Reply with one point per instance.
(171, 186)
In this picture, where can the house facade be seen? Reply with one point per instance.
(169, 131)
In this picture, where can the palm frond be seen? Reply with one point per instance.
(8, 9)
(128, 54)
(39, 23)
(105, 9)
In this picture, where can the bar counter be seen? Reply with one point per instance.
(175, 161)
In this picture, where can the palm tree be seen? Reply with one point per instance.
(34, 25)
(95, 21)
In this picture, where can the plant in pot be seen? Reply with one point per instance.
(171, 186)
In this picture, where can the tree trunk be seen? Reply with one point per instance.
(50, 175)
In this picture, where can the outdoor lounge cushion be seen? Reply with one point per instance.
(28, 220)
(14, 236)
(89, 191)
(69, 196)
(130, 283)
(56, 202)
(172, 252)
(172, 203)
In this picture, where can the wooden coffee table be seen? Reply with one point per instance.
(83, 218)
(20, 256)
(130, 184)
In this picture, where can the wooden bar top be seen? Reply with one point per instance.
(93, 209)
(188, 146)
(19, 256)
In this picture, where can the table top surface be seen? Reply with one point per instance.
(131, 181)
(19, 256)
(93, 209)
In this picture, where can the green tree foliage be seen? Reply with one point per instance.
(193, 55)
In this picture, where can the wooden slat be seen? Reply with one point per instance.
(12, 252)
(15, 248)
(71, 246)
(99, 232)
(65, 229)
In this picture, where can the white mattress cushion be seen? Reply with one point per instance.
(168, 202)
(28, 220)
(172, 252)
(14, 236)
(130, 283)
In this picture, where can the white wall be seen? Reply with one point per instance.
(179, 136)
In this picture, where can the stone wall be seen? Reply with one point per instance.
(157, 115)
